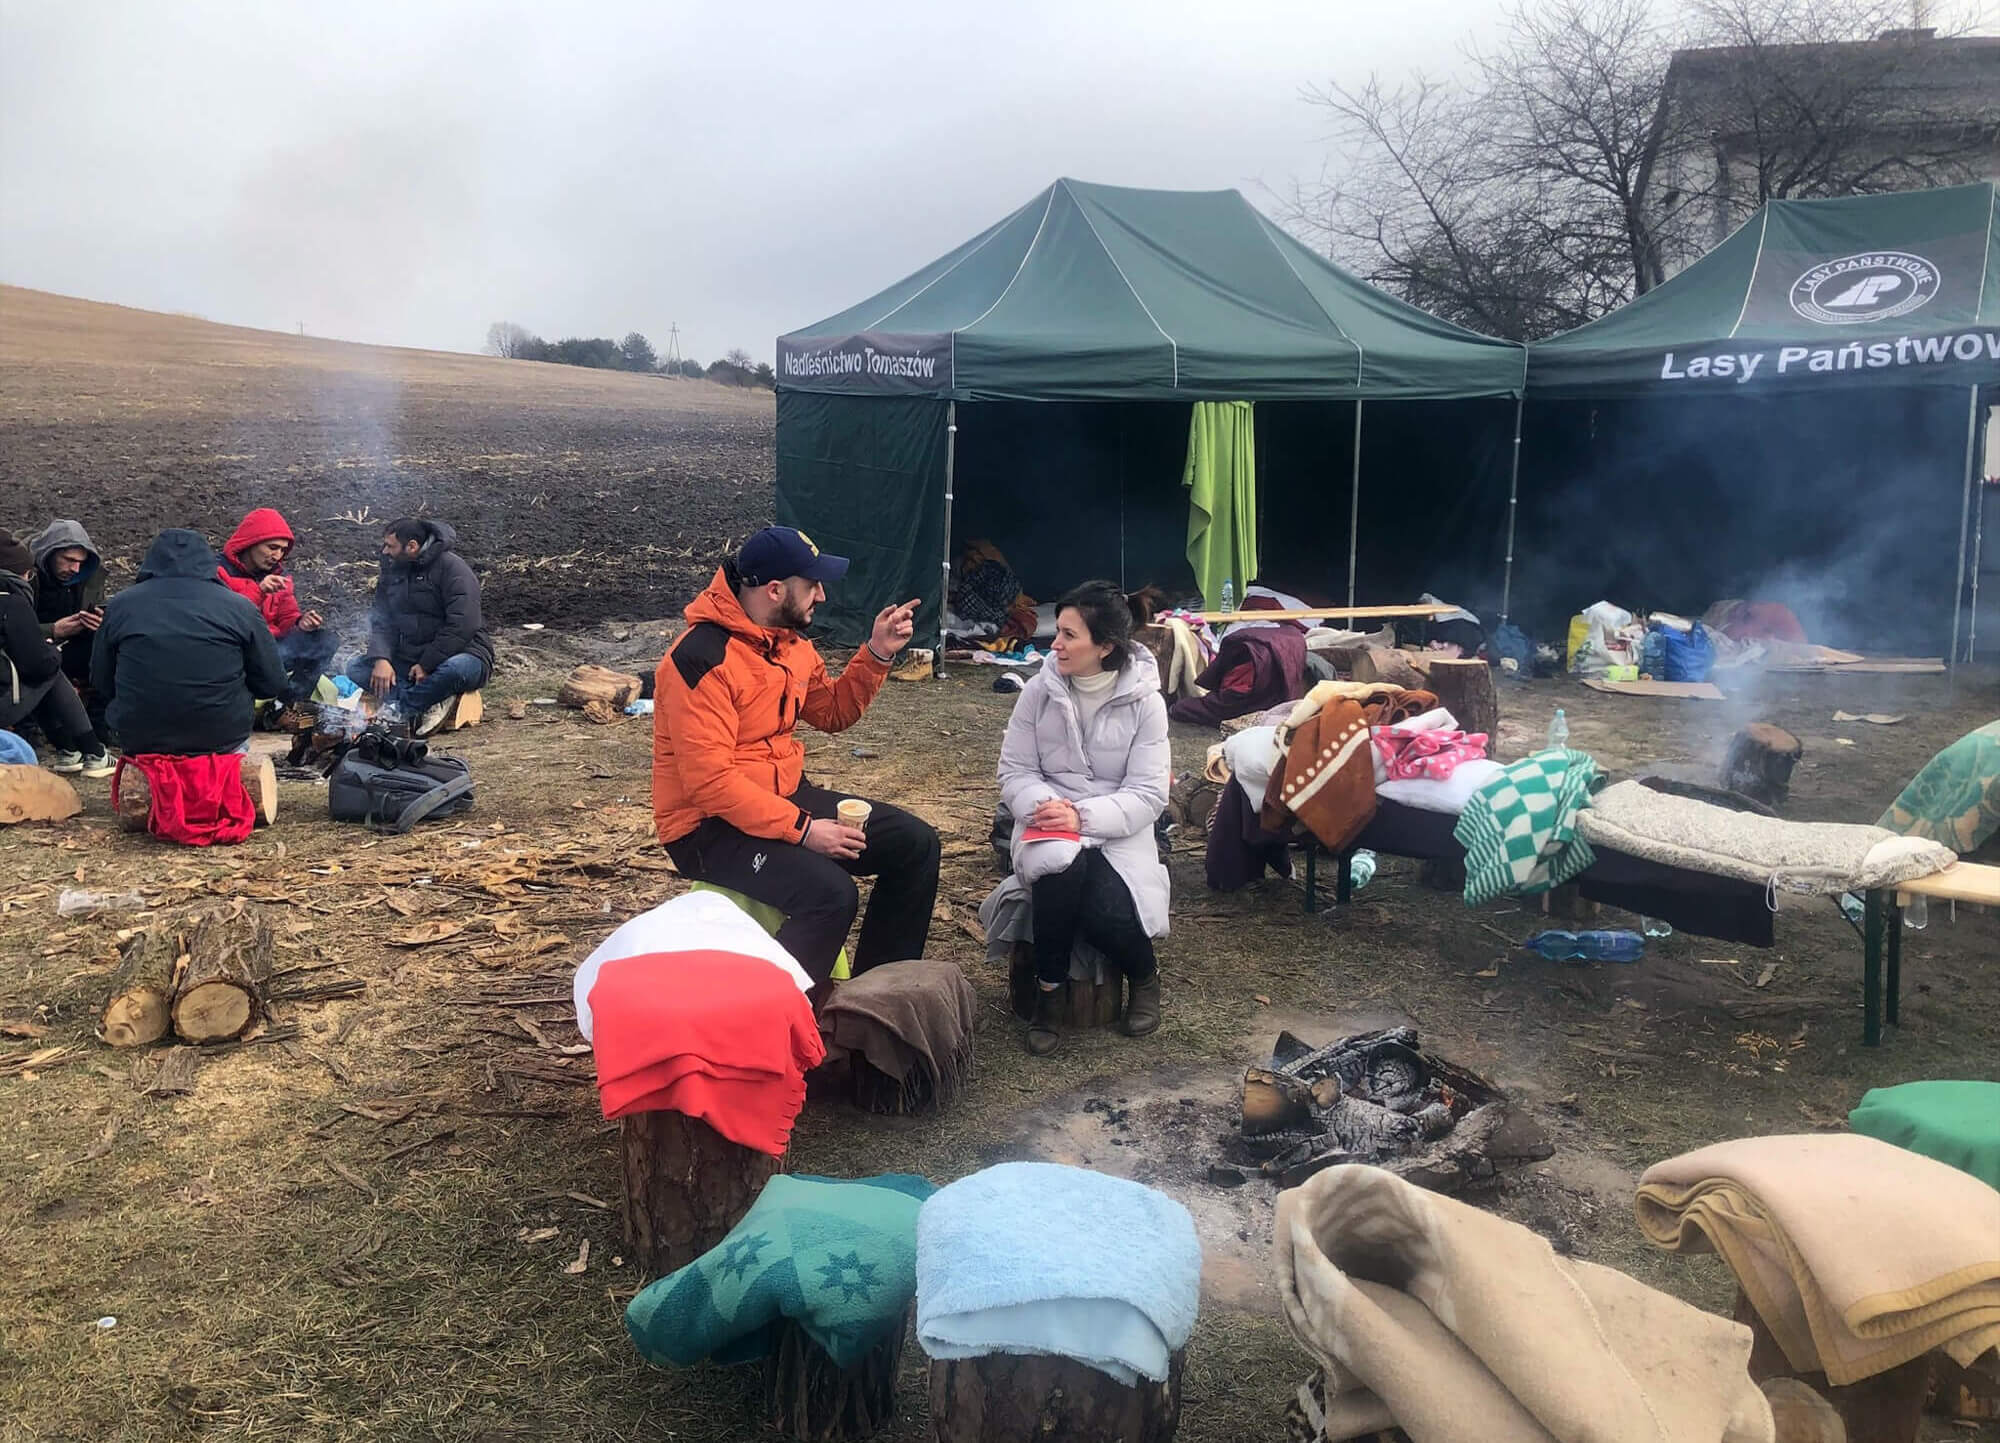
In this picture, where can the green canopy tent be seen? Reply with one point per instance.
(1040, 379)
(1799, 409)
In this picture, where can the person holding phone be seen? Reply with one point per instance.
(68, 583)
(1084, 769)
(731, 801)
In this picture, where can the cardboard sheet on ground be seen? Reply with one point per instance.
(1689, 690)
(1876, 718)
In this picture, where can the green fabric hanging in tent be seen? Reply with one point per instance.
(1221, 478)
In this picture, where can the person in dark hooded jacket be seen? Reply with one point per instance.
(427, 642)
(68, 582)
(180, 656)
(32, 684)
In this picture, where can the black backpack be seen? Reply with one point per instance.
(396, 798)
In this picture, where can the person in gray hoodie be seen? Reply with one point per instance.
(68, 582)
(1086, 758)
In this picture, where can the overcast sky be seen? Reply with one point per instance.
(409, 172)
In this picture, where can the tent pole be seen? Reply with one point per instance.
(950, 465)
(1964, 520)
(1354, 509)
(1513, 500)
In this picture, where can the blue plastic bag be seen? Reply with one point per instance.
(1689, 657)
(15, 752)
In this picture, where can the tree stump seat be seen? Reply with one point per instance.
(260, 780)
(1095, 996)
(1013, 1398)
(809, 1397)
(686, 1186)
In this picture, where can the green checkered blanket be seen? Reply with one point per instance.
(1519, 830)
(837, 1257)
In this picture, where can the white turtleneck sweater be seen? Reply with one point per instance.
(1091, 693)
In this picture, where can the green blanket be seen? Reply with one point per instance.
(1221, 478)
(837, 1257)
(1956, 1123)
(1955, 799)
(1519, 830)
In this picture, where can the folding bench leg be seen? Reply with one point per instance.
(1894, 988)
(1874, 906)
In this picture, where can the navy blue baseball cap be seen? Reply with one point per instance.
(777, 552)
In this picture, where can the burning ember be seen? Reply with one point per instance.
(1372, 1098)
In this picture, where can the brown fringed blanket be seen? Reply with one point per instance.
(911, 1021)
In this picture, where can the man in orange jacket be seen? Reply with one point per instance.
(730, 797)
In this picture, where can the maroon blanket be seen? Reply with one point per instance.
(1253, 670)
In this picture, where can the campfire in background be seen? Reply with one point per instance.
(1375, 1098)
(321, 732)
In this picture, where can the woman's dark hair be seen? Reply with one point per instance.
(1107, 616)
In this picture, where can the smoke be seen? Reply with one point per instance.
(1843, 507)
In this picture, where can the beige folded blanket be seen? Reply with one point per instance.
(1460, 1327)
(1858, 1255)
(1818, 858)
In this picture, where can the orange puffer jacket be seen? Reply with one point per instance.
(727, 697)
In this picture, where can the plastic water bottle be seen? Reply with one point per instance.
(1361, 869)
(1558, 946)
(1917, 915)
(1228, 595)
(1559, 731)
(1655, 927)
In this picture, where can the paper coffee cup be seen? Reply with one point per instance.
(853, 812)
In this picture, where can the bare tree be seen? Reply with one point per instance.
(1585, 155)
(504, 338)
(738, 357)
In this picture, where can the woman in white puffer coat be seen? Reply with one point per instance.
(1086, 755)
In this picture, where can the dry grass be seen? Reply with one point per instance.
(283, 1263)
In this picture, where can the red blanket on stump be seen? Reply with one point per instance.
(712, 1034)
(196, 801)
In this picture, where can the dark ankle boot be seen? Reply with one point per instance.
(1142, 1013)
(1045, 1032)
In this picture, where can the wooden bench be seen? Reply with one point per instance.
(1974, 883)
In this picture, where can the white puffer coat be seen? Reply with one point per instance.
(1117, 776)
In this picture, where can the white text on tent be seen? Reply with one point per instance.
(1968, 346)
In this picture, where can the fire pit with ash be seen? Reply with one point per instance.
(1376, 1098)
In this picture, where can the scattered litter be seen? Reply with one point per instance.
(532, 625)
(1873, 718)
(1719, 962)
(642, 707)
(75, 900)
(1769, 971)
(1361, 869)
(865, 754)
(544, 701)
(1843, 741)
(582, 1259)
(107, 1322)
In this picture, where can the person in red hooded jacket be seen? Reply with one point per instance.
(253, 566)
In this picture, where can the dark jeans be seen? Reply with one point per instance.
(817, 894)
(306, 656)
(54, 706)
(463, 672)
(1088, 899)
(76, 666)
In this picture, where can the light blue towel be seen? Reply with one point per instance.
(1014, 1260)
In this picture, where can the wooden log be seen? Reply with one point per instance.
(1086, 1003)
(1387, 668)
(808, 1397)
(29, 794)
(1191, 801)
(686, 1186)
(589, 683)
(135, 800)
(468, 709)
(1887, 1408)
(1465, 689)
(141, 992)
(1760, 761)
(260, 780)
(1009, 1397)
(221, 992)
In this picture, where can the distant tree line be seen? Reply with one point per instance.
(634, 353)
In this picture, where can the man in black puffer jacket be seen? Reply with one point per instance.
(180, 656)
(427, 642)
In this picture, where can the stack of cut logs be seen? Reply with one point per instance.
(205, 985)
